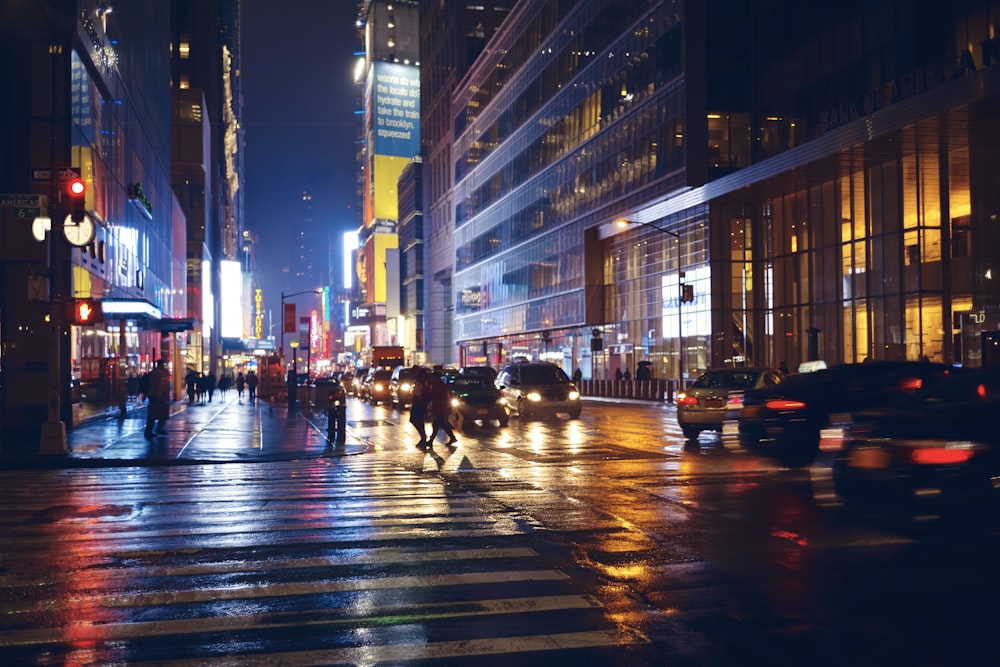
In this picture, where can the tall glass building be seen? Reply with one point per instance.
(698, 184)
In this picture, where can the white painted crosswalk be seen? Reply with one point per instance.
(312, 562)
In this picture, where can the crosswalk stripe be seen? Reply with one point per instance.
(300, 588)
(387, 654)
(373, 616)
(386, 556)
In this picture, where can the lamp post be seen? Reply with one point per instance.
(288, 296)
(681, 295)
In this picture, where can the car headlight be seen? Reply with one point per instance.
(378, 386)
(502, 400)
(574, 395)
(534, 396)
(455, 402)
(404, 387)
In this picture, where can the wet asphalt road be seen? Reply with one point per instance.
(243, 537)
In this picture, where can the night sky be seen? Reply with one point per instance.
(300, 128)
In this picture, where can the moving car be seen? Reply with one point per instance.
(478, 400)
(937, 450)
(538, 388)
(375, 388)
(785, 421)
(401, 386)
(487, 372)
(704, 406)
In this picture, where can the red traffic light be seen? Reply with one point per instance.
(76, 187)
(87, 312)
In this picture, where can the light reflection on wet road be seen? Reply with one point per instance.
(603, 540)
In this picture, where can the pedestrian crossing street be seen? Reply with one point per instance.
(353, 561)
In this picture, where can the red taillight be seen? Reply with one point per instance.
(784, 404)
(911, 384)
(684, 399)
(940, 456)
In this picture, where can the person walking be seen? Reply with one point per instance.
(440, 409)
(628, 375)
(252, 385)
(241, 383)
(159, 399)
(191, 382)
(210, 384)
(225, 382)
(419, 400)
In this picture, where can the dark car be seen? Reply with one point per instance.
(785, 421)
(705, 404)
(478, 400)
(487, 372)
(935, 451)
(375, 388)
(401, 386)
(538, 388)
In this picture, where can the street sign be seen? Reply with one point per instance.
(27, 207)
(44, 174)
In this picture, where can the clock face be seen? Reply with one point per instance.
(79, 233)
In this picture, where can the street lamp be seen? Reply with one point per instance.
(288, 296)
(682, 294)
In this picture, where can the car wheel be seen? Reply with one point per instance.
(574, 413)
(503, 421)
(802, 452)
(522, 409)
(691, 432)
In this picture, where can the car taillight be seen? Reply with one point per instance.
(784, 404)
(911, 384)
(735, 402)
(684, 399)
(952, 453)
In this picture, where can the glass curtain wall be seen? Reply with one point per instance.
(647, 318)
(852, 267)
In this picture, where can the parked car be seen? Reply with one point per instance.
(538, 388)
(718, 394)
(376, 385)
(347, 381)
(401, 386)
(478, 400)
(785, 421)
(938, 450)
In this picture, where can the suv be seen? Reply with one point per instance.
(538, 388)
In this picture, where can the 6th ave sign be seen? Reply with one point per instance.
(26, 206)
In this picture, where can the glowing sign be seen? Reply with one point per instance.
(232, 299)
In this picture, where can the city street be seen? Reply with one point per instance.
(243, 537)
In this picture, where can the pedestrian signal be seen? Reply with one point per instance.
(76, 191)
(87, 312)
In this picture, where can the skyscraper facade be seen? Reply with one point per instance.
(703, 184)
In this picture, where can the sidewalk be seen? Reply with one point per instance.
(197, 433)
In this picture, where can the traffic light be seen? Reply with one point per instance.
(86, 312)
(76, 192)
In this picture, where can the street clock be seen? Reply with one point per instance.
(79, 233)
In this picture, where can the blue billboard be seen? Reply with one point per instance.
(396, 98)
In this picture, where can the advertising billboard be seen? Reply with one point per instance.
(231, 304)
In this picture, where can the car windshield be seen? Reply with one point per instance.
(733, 378)
(469, 381)
(543, 375)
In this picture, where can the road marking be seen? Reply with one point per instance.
(405, 653)
(271, 590)
(387, 556)
(377, 616)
